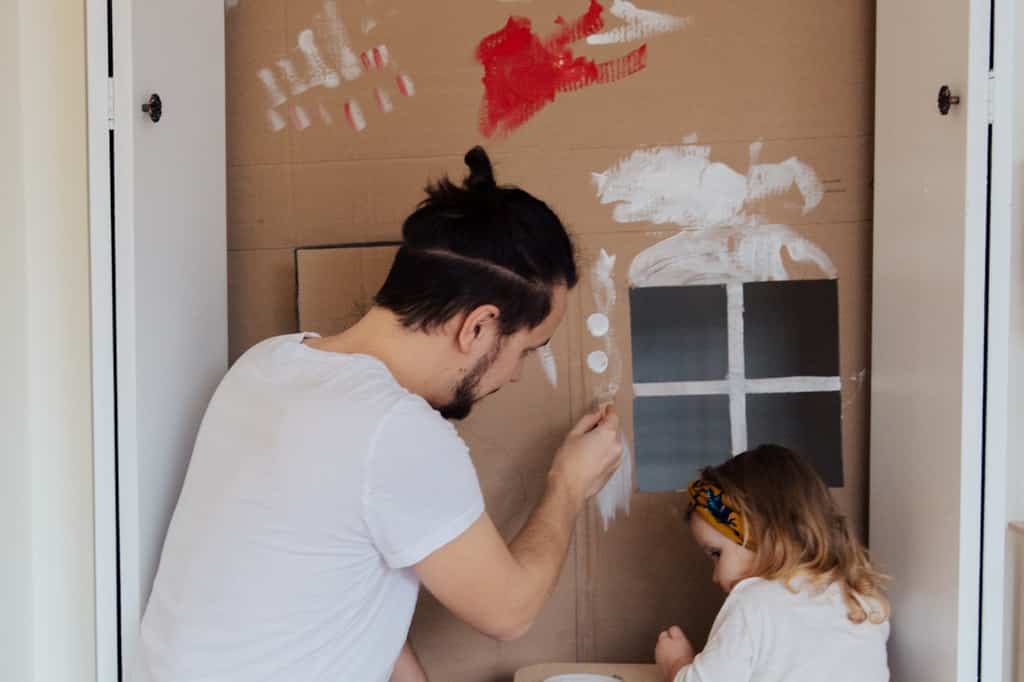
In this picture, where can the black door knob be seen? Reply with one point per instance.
(947, 99)
(154, 107)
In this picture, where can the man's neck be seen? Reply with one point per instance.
(416, 359)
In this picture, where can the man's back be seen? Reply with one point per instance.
(288, 554)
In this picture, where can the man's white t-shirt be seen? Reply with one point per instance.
(315, 484)
(766, 633)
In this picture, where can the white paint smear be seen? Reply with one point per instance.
(661, 389)
(277, 98)
(769, 179)
(325, 115)
(547, 362)
(725, 255)
(405, 85)
(602, 282)
(368, 24)
(616, 493)
(355, 115)
(301, 118)
(736, 375)
(297, 85)
(640, 24)
(318, 72)
(681, 185)
(597, 325)
(384, 102)
(339, 46)
(276, 120)
(602, 285)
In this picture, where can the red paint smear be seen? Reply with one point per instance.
(403, 86)
(378, 58)
(355, 121)
(523, 74)
(367, 62)
(382, 101)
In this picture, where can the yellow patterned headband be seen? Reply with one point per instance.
(715, 507)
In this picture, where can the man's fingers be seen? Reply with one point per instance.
(588, 421)
(675, 632)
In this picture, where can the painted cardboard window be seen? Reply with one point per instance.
(720, 368)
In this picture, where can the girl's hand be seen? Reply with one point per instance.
(672, 652)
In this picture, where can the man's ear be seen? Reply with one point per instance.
(478, 330)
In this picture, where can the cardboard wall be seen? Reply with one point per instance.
(307, 171)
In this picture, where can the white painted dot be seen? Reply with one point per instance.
(597, 361)
(598, 324)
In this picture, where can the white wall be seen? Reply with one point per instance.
(15, 471)
(47, 628)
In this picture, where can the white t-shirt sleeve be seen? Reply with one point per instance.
(730, 651)
(421, 490)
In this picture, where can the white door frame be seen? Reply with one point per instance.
(113, 121)
(1004, 281)
(103, 362)
(106, 104)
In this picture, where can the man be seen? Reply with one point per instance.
(326, 484)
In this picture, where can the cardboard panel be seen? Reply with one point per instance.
(734, 72)
(648, 557)
(261, 295)
(318, 162)
(512, 437)
(308, 204)
(336, 286)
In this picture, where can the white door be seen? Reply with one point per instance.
(170, 266)
(929, 331)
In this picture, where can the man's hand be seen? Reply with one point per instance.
(407, 667)
(499, 589)
(672, 652)
(589, 456)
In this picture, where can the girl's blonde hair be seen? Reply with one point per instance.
(797, 529)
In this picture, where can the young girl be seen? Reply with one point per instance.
(804, 602)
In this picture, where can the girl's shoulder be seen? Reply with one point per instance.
(757, 589)
(800, 597)
(760, 593)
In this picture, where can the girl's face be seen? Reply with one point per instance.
(732, 563)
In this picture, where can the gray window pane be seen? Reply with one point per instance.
(679, 333)
(791, 328)
(676, 436)
(808, 423)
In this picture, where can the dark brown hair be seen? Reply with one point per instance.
(477, 244)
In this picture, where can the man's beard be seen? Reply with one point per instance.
(465, 396)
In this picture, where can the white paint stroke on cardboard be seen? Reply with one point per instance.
(721, 240)
(682, 185)
(324, 57)
(602, 284)
(743, 254)
(548, 364)
(339, 45)
(640, 24)
(607, 365)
